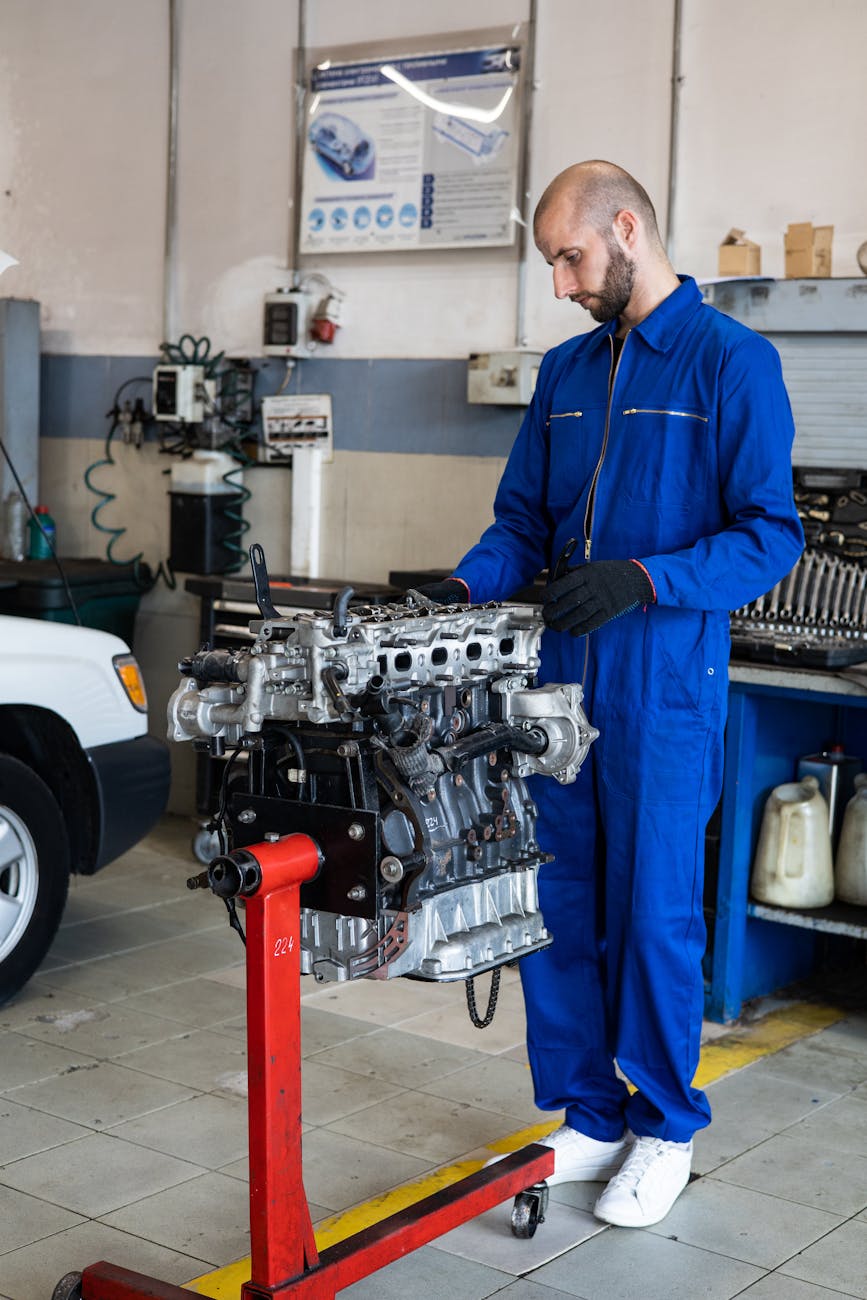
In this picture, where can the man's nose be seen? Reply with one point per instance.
(564, 281)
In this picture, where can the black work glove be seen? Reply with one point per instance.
(591, 594)
(451, 591)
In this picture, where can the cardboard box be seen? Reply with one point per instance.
(739, 255)
(808, 250)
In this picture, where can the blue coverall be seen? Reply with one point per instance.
(685, 467)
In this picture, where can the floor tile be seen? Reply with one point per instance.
(811, 1063)
(391, 1054)
(110, 1095)
(385, 1002)
(488, 1239)
(495, 1083)
(116, 977)
(323, 1029)
(23, 1060)
(766, 1100)
(838, 1261)
(26, 1218)
(435, 1130)
(96, 1174)
(102, 1032)
(743, 1224)
(842, 1126)
(622, 1264)
(23, 1131)
(199, 1002)
(198, 1058)
(454, 1026)
(31, 1001)
(340, 1171)
(776, 1286)
(524, 1289)
(806, 1173)
(429, 1272)
(32, 1272)
(725, 1137)
(330, 1094)
(207, 1217)
(237, 1169)
(208, 1131)
(122, 931)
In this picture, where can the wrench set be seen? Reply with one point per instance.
(815, 617)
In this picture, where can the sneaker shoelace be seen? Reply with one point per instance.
(644, 1152)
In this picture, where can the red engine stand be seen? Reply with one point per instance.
(285, 1262)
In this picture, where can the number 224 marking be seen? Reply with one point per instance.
(284, 945)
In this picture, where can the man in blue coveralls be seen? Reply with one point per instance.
(652, 477)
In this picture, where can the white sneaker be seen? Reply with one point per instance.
(653, 1176)
(582, 1159)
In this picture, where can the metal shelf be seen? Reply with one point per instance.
(838, 918)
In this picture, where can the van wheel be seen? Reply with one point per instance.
(34, 872)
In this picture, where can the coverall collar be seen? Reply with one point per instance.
(660, 329)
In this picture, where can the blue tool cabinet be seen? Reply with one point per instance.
(776, 715)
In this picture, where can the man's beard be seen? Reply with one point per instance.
(617, 286)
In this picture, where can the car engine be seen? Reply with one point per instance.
(400, 738)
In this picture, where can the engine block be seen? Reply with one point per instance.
(399, 737)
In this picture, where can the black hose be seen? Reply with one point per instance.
(341, 611)
(493, 736)
(331, 678)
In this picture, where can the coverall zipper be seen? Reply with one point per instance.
(591, 497)
(649, 410)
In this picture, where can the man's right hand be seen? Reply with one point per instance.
(451, 591)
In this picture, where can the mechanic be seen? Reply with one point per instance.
(652, 477)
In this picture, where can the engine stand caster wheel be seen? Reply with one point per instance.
(206, 845)
(68, 1288)
(529, 1209)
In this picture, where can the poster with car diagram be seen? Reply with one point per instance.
(417, 151)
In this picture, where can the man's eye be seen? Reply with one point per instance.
(571, 258)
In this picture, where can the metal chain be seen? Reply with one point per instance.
(492, 1000)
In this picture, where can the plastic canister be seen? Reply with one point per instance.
(835, 771)
(41, 543)
(203, 474)
(850, 870)
(793, 866)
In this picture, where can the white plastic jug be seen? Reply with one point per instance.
(793, 865)
(850, 872)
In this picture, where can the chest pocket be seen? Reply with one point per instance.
(574, 443)
(669, 455)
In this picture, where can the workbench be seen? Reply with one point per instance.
(776, 716)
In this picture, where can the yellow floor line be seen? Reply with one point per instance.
(719, 1057)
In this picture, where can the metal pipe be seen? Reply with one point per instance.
(170, 251)
(524, 178)
(674, 129)
(300, 139)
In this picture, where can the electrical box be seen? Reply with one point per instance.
(292, 422)
(286, 331)
(502, 378)
(181, 393)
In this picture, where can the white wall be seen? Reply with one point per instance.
(773, 112)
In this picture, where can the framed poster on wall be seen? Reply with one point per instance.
(409, 151)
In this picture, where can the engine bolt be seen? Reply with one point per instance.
(357, 893)
(391, 869)
(356, 832)
(459, 780)
(271, 837)
(492, 760)
(347, 750)
(246, 815)
(505, 775)
(431, 795)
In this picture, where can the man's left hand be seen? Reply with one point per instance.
(591, 594)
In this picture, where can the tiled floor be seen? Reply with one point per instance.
(122, 1124)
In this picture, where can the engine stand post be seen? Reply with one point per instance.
(285, 1264)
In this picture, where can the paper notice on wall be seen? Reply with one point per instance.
(6, 260)
(419, 152)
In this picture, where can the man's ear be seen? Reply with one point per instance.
(626, 226)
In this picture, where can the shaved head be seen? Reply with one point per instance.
(597, 191)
